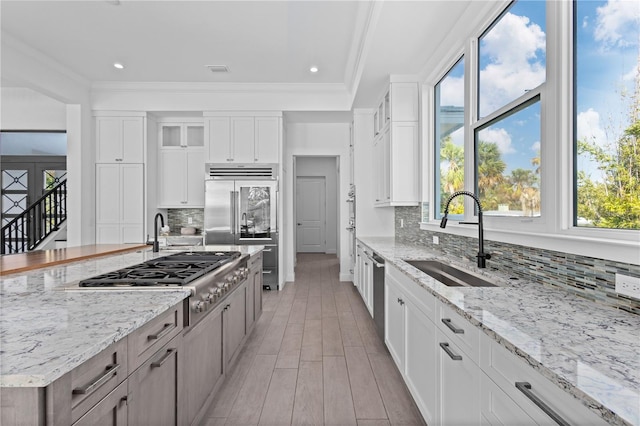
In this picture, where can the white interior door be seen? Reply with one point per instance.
(310, 214)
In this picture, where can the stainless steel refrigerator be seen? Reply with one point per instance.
(241, 209)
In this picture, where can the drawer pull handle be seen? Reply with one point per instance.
(165, 330)
(445, 347)
(448, 323)
(525, 388)
(108, 374)
(163, 358)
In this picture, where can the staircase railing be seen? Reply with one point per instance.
(36, 223)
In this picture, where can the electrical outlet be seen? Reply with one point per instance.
(401, 223)
(629, 286)
(189, 220)
(436, 239)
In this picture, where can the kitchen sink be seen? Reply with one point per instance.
(449, 275)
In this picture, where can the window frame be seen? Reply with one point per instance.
(554, 229)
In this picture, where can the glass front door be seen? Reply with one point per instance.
(257, 210)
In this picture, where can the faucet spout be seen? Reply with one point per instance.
(156, 244)
(482, 256)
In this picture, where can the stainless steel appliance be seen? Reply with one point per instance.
(241, 208)
(351, 201)
(209, 276)
(378, 292)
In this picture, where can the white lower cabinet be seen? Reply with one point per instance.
(364, 278)
(457, 375)
(459, 385)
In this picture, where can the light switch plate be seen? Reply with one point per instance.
(629, 286)
(436, 239)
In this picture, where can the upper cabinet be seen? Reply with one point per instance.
(119, 139)
(181, 164)
(396, 151)
(244, 139)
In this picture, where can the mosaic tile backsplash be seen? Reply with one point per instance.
(179, 218)
(587, 277)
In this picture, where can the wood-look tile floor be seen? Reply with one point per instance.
(314, 358)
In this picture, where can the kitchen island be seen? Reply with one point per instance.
(47, 331)
(589, 351)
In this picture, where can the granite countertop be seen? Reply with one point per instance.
(591, 351)
(45, 332)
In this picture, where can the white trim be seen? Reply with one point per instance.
(242, 113)
(100, 113)
(600, 248)
(346, 277)
(193, 87)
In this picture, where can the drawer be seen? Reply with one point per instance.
(94, 379)
(111, 410)
(145, 341)
(506, 369)
(498, 408)
(255, 261)
(459, 330)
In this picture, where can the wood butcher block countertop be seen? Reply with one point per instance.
(21, 262)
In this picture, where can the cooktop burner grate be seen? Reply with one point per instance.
(174, 270)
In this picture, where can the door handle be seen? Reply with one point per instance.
(299, 224)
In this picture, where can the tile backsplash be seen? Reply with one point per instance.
(587, 277)
(179, 218)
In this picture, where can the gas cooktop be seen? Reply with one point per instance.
(177, 269)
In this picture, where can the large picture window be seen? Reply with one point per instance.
(607, 114)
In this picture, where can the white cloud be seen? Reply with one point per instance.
(457, 137)
(500, 137)
(632, 74)
(452, 91)
(588, 128)
(535, 147)
(513, 46)
(617, 23)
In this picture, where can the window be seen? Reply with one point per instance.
(507, 138)
(607, 114)
(449, 137)
(512, 58)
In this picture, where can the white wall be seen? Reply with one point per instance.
(370, 221)
(23, 66)
(316, 139)
(26, 109)
(324, 167)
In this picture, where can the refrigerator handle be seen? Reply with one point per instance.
(232, 196)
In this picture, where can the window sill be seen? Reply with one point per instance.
(600, 248)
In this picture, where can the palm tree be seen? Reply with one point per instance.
(490, 167)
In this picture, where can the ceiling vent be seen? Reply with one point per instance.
(218, 68)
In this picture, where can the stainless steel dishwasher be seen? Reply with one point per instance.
(378, 292)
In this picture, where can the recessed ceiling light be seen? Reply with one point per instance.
(313, 69)
(118, 65)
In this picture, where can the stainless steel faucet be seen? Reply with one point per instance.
(156, 244)
(482, 256)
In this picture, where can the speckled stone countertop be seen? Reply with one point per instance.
(45, 332)
(589, 350)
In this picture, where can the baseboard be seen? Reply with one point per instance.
(290, 277)
(332, 251)
(346, 277)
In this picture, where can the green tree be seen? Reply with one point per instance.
(490, 175)
(451, 177)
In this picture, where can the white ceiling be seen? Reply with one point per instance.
(354, 43)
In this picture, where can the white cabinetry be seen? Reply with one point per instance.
(244, 139)
(119, 203)
(181, 165)
(458, 375)
(119, 139)
(396, 146)
(364, 283)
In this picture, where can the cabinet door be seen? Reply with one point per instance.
(173, 173)
(171, 135)
(385, 167)
(403, 159)
(498, 408)
(219, 140)
(267, 139)
(195, 177)
(133, 140)
(155, 388)
(110, 411)
(242, 139)
(257, 298)
(421, 361)
(203, 367)
(108, 139)
(459, 385)
(235, 317)
(394, 321)
(108, 194)
(368, 292)
(193, 135)
(132, 193)
(404, 102)
(249, 308)
(378, 162)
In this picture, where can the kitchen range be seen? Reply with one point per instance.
(208, 275)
